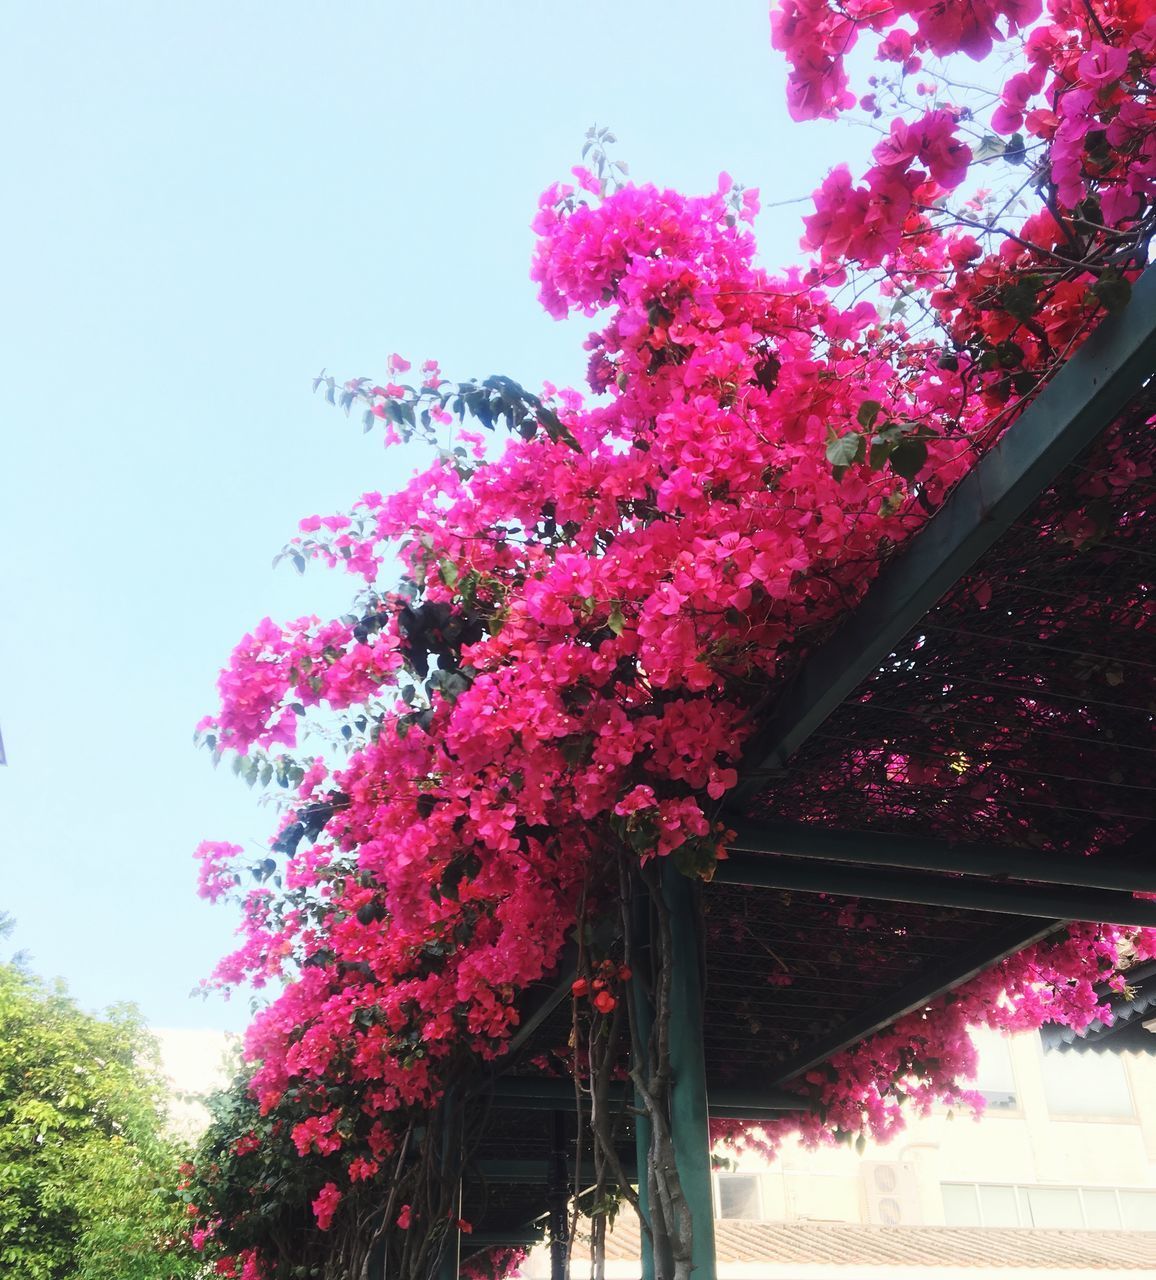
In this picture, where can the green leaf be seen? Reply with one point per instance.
(879, 453)
(908, 458)
(616, 622)
(869, 410)
(576, 748)
(844, 451)
(1021, 299)
(1112, 292)
(696, 859)
(1009, 354)
(449, 572)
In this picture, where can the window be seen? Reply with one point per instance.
(1086, 1084)
(1138, 1210)
(967, 1204)
(1054, 1207)
(996, 1078)
(1102, 1210)
(999, 1206)
(961, 1205)
(738, 1196)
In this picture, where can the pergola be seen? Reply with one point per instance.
(1008, 644)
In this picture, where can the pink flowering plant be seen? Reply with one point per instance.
(556, 696)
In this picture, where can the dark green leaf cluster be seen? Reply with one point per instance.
(899, 446)
(491, 401)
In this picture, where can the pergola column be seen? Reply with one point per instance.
(449, 1259)
(643, 1012)
(558, 1197)
(689, 1121)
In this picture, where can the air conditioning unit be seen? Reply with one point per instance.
(892, 1193)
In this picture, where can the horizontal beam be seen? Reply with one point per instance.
(1084, 397)
(532, 1171)
(555, 1094)
(760, 871)
(916, 994)
(545, 1093)
(727, 1103)
(516, 1238)
(994, 862)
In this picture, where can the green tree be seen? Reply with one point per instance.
(87, 1171)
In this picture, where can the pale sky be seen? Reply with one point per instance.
(204, 204)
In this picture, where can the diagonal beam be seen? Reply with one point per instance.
(1091, 389)
(545, 998)
(925, 853)
(758, 871)
(917, 993)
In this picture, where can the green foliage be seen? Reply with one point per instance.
(250, 1180)
(894, 444)
(248, 1173)
(87, 1175)
(1112, 291)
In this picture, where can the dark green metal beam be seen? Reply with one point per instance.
(548, 1094)
(728, 1103)
(760, 871)
(531, 1171)
(874, 848)
(916, 994)
(543, 998)
(543, 1093)
(1084, 397)
(515, 1238)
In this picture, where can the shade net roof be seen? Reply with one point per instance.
(1020, 709)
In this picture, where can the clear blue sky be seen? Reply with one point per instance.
(204, 204)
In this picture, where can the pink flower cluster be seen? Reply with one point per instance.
(592, 612)
(325, 1205)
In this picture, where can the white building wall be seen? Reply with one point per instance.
(1095, 1130)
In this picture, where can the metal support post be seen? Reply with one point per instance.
(688, 1109)
(558, 1198)
(449, 1260)
(644, 1019)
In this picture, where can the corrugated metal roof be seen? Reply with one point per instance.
(1125, 1031)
